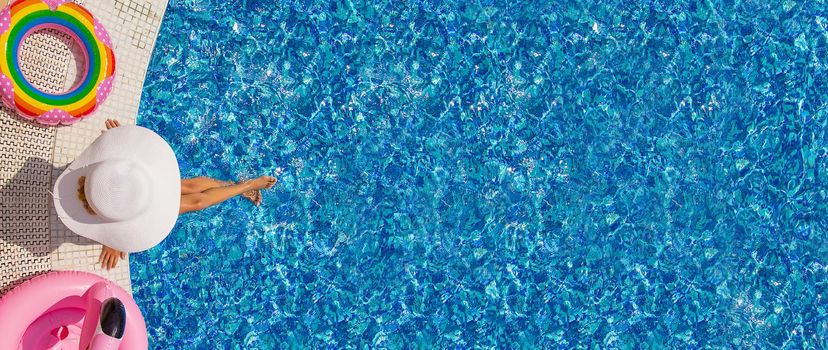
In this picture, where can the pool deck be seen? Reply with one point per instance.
(32, 239)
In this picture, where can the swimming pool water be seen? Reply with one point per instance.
(493, 174)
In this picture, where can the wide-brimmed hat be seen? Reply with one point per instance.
(132, 183)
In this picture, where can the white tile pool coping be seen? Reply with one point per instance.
(32, 238)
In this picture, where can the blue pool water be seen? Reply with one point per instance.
(464, 174)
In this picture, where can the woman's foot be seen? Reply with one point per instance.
(109, 257)
(254, 196)
(263, 182)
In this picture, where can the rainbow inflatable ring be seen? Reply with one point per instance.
(24, 17)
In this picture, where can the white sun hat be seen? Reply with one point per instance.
(133, 185)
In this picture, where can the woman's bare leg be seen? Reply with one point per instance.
(200, 184)
(198, 201)
(203, 183)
